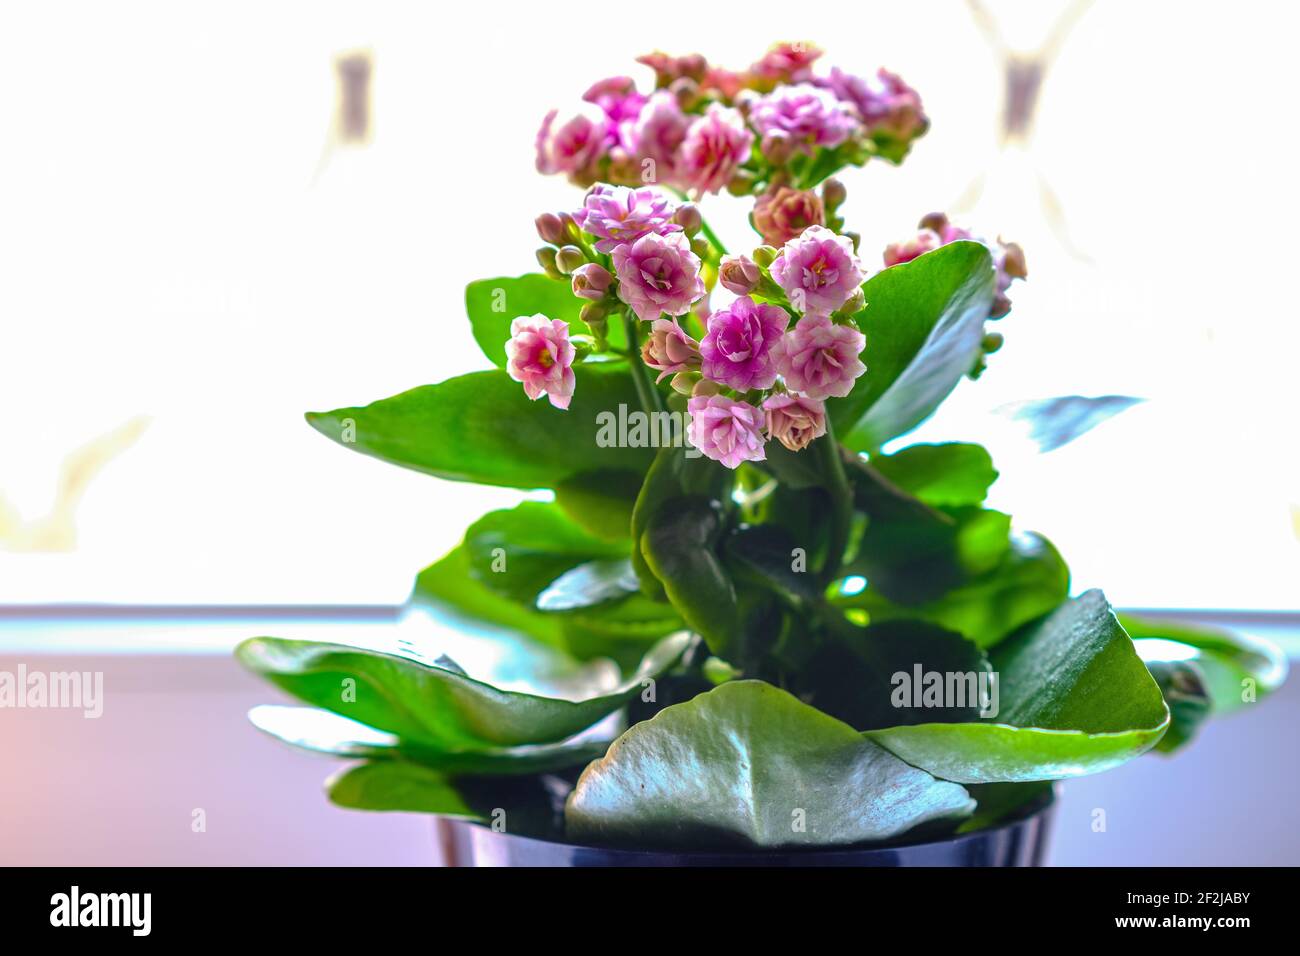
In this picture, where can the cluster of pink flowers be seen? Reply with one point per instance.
(696, 131)
(752, 376)
(936, 230)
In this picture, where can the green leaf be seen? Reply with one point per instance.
(674, 474)
(590, 584)
(1054, 422)
(996, 803)
(875, 676)
(951, 474)
(517, 552)
(493, 304)
(323, 732)
(1031, 580)
(432, 705)
(601, 501)
(680, 546)
(914, 562)
(1074, 698)
(449, 587)
(1238, 669)
(1184, 688)
(748, 765)
(924, 322)
(521, 805)
(482, 428)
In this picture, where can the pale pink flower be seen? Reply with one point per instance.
(669, 350)
(924, 241)
(619, 100)
(657, 135)
(540, 356)
(621, 214)
(782, 213)
(726, 430)
(795, 421)
(658, 275)
(573, 147)
(715, 146)
(787, 63)
(811, 116)
(888, 106)
(819, 359)
(818, 270)
(737, 349)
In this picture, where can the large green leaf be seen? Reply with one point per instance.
(1074, 698)
(434, 705)
(674, 474)
(924, 322)
(748, 765)
(950, 474)
(482, 428)
(1030, 581)
(601, 501)
(324, 732)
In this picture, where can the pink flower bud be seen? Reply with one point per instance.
(739, 274)
(795, 421)
(591, 281)
(669, 350)
(550, 228)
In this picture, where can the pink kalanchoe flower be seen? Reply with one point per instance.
(621, 103)
(795, 421)
(540, 356)
(887, 105)
(782, 213)
(669, 350)
(668, 68)
(926, 240)
(715, 146)
(737, 349)
(819, 359)
(573, 147)
(726, 430)
(787, 63)
(658, 275)
(620, 214)
(818, 270)
(657, 134)
(810, 115)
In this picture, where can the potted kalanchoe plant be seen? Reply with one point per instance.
(825, 651)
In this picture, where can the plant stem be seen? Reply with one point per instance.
(651, 400)
(837, 484)
(714, 241)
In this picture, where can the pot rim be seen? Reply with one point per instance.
(1031, 809)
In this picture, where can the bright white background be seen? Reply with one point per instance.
(173, 245)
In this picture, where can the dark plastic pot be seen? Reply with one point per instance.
(1021, 841)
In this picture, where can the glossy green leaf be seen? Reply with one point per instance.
(924, 322)
(749, 765)
(1238, 669)
(310, 728)
(601, 501)
(431, 705)
(1184, 688)
(590, 584)
(482, 428)
(674, 474)
(680, 546)
(997, 803)
(951, 474)
(1074, 698)
(1031, 580)
(521, 805)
